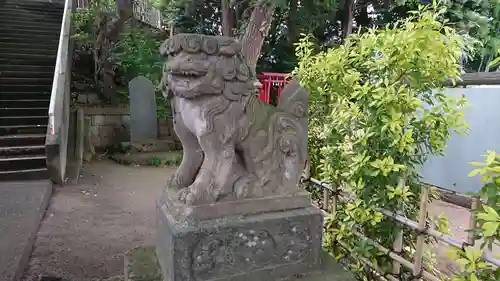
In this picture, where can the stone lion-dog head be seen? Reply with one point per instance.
(200, 65)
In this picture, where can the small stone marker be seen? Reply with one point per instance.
(143, 120)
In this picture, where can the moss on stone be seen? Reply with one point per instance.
(158, 159)
(141, 264)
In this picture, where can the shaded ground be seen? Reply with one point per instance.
(88, 227)
(459, 222)
(20, 214)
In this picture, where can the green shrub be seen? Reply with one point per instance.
(135, 53)
(377, 111)
(472, 266)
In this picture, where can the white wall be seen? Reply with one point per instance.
(483, 117)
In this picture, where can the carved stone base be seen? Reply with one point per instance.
(267, 246)
(296, 199)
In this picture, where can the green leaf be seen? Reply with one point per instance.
(490, 228)
(495, 62)
(491, 212)
(491, 157)
(474, 172)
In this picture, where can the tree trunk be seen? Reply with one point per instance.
(362, 19)
(107, 35)
(227, 17)
(293, 31)
(348, 17)
(256, 31)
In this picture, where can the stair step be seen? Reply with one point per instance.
(27, 68)
(25, 61)
(24, 88)
(23, 25)
(26, 80)
(22, 139)
(33, 61)
(26, 174)
(7, 30)
(37, 57)
(22, 151)
(29, 16)
(27, 45)
(23, 162)
(34, 8)
(26, 129)
(26, 74)
(34, 21)
(24, 120)
(25, 103)
(32, 37)
(31, 26)
(27, 111)
(29, 50)
(11, 97)
(57, 4)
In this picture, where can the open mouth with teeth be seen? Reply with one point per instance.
(184, 81)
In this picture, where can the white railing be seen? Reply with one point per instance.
(82, 4)
(147, 13)
(143, 11)
(57, 94)
(57, 131)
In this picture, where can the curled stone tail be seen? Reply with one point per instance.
(293, 99)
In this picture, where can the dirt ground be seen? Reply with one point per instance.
(89, 226)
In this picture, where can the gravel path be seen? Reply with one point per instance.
(89, 226)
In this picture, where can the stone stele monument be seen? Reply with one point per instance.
(233, 211)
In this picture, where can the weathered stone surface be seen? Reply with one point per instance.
(141, 264)
(22, 206)
(99, 120)
(158, 159)
(235, 146)
(233, 211)
(143, 120)
(260, 247)
(245, 206)
(150, 146)
(144, 266)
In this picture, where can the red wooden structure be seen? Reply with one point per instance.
(272, 83)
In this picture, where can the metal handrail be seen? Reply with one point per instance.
(61, 68)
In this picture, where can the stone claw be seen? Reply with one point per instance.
(183, 194)
(190, 199)
(187, 196)
(176, 181)
(241, 188)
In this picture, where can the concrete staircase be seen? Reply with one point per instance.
(29, 35)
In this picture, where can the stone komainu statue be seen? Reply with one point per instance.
(235, 146)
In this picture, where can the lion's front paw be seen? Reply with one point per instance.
(183, 194)
(196, 194)
(243, 187)
(177, 181)
(188, 196)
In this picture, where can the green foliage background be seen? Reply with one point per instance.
(136, 53)
(487, 219)
(376, 112)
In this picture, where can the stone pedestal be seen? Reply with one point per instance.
(266, 246)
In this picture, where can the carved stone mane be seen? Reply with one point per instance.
(217, 61)
(235, 146)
